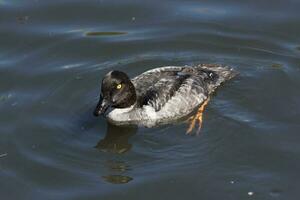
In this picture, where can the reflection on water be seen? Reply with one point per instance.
(116, 141)
(117, 169)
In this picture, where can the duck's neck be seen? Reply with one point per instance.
(132, 98)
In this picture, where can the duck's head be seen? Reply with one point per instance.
(117, 91)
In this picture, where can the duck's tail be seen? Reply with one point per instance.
(223, 73)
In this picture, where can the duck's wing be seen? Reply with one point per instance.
(156, 87)
(147, 79)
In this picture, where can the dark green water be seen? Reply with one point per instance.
(53, 55)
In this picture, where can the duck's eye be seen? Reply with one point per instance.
(119, 86)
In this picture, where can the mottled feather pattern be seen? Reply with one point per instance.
(160, 92)
(172, 92)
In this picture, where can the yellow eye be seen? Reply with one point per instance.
(119, 86)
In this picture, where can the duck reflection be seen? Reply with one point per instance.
(118, 168)
(116, 141)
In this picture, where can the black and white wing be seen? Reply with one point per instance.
(156, 87)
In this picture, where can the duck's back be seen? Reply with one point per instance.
(172, 92)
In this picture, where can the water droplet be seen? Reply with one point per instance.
(250, 193)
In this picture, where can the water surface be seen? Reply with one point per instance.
(53, 55)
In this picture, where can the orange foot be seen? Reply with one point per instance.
(198, 117)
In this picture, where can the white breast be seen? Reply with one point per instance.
(177, 107)
(144, 116)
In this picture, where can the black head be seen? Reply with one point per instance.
(117, 91)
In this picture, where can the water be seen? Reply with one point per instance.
(53, 55)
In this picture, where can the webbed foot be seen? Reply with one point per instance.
(197, 118)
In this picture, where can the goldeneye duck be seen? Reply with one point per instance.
(160, 95)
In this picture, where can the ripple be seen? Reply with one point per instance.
(275, 193)
(2, 155)
(53, 55)
(99, 33)
(5, 97)
(117, 179)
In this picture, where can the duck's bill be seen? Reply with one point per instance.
(101, 107)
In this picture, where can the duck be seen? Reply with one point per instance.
(161, 95)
